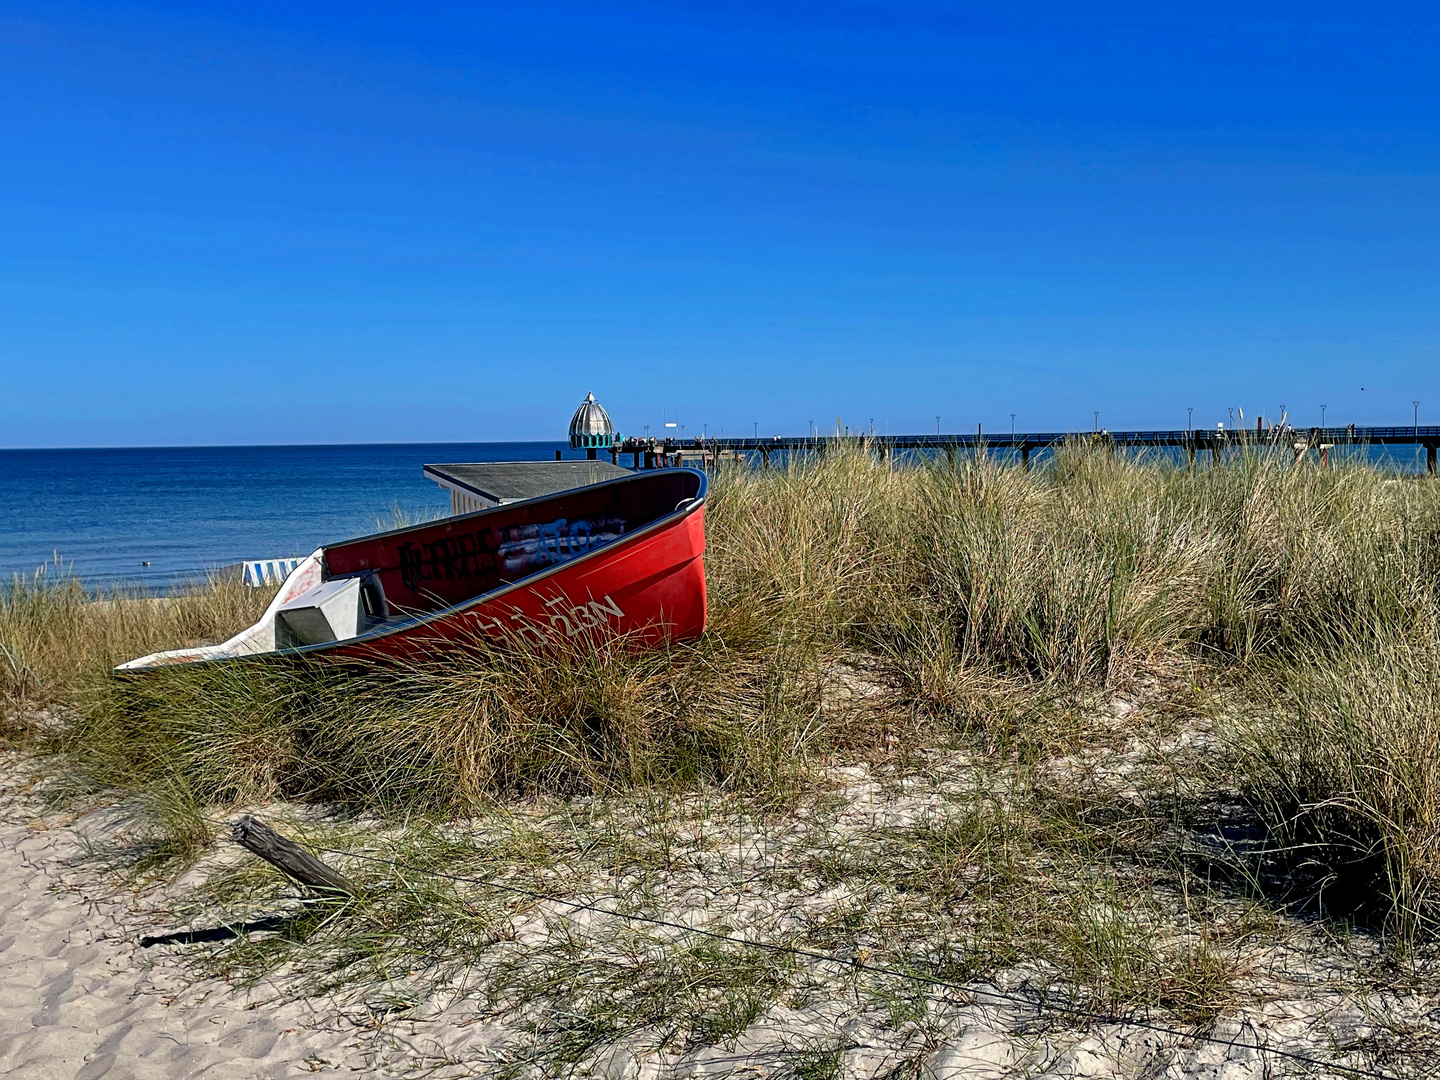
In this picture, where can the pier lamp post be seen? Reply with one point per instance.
(1097, 421)
(757, 429)
(1322, 416)
(937, 427)
(872, 425)
(1417, 418)
(1012, 427)
(1282, 416)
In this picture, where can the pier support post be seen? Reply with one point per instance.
(950, 454)
(765, 454)
(1025, 456)
(1190, 455)
(1430, 449)
(636, 455)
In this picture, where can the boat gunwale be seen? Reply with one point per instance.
(612, 482)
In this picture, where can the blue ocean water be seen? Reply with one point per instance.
(185, 510)
(102, 514)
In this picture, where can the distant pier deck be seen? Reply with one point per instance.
(661, 453)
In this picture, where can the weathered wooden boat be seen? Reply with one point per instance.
(621, 558)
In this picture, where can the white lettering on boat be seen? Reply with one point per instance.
(562, 614)
(574, 618)
(609, 606)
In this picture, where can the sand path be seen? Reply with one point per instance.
(79, 999)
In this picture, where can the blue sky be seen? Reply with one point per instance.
(303, 223)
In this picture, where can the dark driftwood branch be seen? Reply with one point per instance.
(290, 857)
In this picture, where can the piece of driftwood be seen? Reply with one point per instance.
(290, 857)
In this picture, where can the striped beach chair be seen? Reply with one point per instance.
(261, 572)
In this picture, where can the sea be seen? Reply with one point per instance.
(160, 519)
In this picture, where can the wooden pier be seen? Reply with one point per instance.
(656, 453)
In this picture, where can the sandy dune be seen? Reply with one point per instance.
(80, 999)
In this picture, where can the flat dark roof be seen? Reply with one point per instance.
(507, 481)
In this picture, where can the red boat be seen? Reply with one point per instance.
(623, 557)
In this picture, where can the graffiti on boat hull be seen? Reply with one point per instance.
(449, 558)
(526, 548)
(514, 551)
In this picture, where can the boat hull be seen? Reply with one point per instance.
(649, 590)
(619, 559)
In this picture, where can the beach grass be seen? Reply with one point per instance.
(1277, 622)
(58, 638)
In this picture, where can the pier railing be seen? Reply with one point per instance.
(652, 453)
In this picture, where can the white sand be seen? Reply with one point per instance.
(80, 999)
